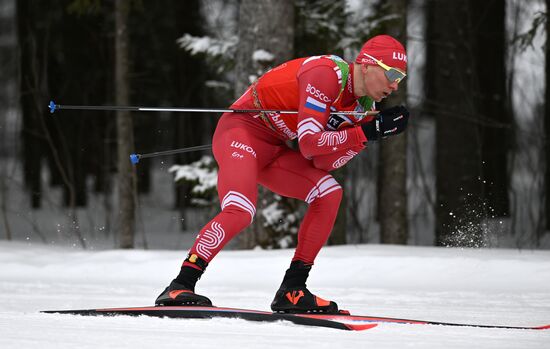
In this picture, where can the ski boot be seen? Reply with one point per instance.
(181, 291)
(294, 297)
(301, 300)
(178, 294)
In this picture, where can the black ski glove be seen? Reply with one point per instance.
(388, 122)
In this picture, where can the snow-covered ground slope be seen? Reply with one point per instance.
(502, 287)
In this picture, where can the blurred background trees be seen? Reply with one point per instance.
(472, 170)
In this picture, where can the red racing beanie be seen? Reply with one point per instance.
(386, 49)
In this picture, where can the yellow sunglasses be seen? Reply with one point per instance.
(393, 74)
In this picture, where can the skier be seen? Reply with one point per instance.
(250, 149)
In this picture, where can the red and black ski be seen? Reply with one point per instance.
(339, 321)
(192, 312)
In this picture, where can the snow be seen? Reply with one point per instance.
(207, 45)
(501, 287)
(262, 56)
(201, 171)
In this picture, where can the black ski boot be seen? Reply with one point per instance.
(294, 297)
(181, 291)
(178, 294)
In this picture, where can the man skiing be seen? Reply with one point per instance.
(250, 149)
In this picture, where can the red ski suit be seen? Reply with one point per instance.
(250, 149)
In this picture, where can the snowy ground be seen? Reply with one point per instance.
(503, 287)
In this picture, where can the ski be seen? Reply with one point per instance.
(376, 319)
(196, 312)
(342, 321)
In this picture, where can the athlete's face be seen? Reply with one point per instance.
(375, 82)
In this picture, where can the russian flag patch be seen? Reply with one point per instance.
(315, 105)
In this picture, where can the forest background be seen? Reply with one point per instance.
(472, 170)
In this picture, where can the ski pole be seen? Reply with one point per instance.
(134, 158)
(53, 107)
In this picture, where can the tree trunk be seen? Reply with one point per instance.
(492, 103)
(191, 72)
(451, 90)
(125, 138)
(32, 146)
(547, 119)
(392, 204)
(42, 134)
(263, 25)
(7, 99)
